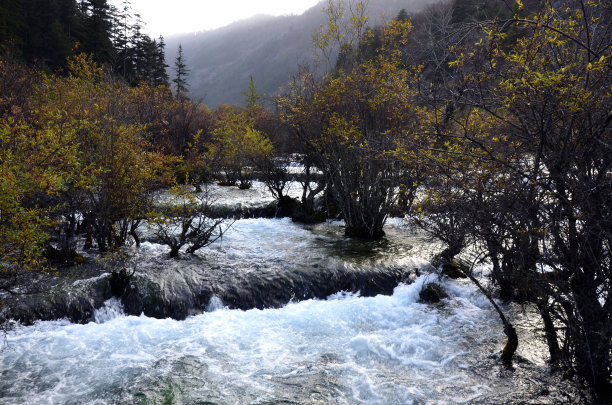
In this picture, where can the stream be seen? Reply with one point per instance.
(345, 349)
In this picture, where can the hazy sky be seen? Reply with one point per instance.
(181, 16)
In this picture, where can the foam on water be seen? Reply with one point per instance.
(112, 309)
(280, 245)
(214, 304)
(385, 349)
(346, 349)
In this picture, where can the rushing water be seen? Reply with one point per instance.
(233, 198)
(346, 349)
(276, 246)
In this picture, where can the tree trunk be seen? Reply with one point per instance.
(174, 251)
(512, 343)
(133, 228)
(551, 334)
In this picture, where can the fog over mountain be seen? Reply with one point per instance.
(269, 48)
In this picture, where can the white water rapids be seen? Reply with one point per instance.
(344, 350)
(347, 348)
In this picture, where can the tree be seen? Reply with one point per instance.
(118, 166)
(251, 95)
(97, 30)
(184, 221)
(160, 76)
(39, 32)
(11, 22)
(533, 135)
(121, 39)
(363, 124)
(46, 33)
(237, 147)
(37, 159)
(181, 70)
(30, 170)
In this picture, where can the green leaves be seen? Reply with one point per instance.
(237, 147)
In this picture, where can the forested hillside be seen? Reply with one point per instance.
(268, 48)
(46, 33)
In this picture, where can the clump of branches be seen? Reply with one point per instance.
(185, 221)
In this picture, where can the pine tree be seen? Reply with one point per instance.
(251, 94)
(38, 31)
(97, 30)
(11, 22)
(402, 15)
(121, 39)
(181, 70)
(147, 51)
(160, 75)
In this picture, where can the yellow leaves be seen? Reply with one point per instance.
(455, 63)
(236, 144)
(396, 32)
(601, 64)
(358, 18)
(519, 3)
(344, 130)
(27, 167)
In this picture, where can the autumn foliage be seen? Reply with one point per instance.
(494, 137)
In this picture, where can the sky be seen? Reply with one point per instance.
(163, 17)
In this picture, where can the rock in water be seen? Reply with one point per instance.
(432, 293)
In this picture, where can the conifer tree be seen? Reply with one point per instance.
(98, 29)
(160, 75)
(402, 15)
(11, 21)
(181, 70)
(251, 94)
(120, 38)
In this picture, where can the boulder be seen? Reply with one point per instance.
(432, 293)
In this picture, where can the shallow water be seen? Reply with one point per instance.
(233, 198)
(265, 241)
(275, 246)
(346, 349)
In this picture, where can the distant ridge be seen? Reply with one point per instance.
(270, 48)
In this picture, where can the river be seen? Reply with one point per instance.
(346, 349)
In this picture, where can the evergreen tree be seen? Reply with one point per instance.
(11, 22)
(251, 94)
(147, 50)
(138, 58)
(160, 75)
(181, 70)
(139, 43)
(402, 15)
(39, 31)
(97, 32)
(46, 33)
(467, 11)
(121, 39)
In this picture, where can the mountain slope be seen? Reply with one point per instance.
(269, 48)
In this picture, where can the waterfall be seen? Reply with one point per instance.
(112, 309)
